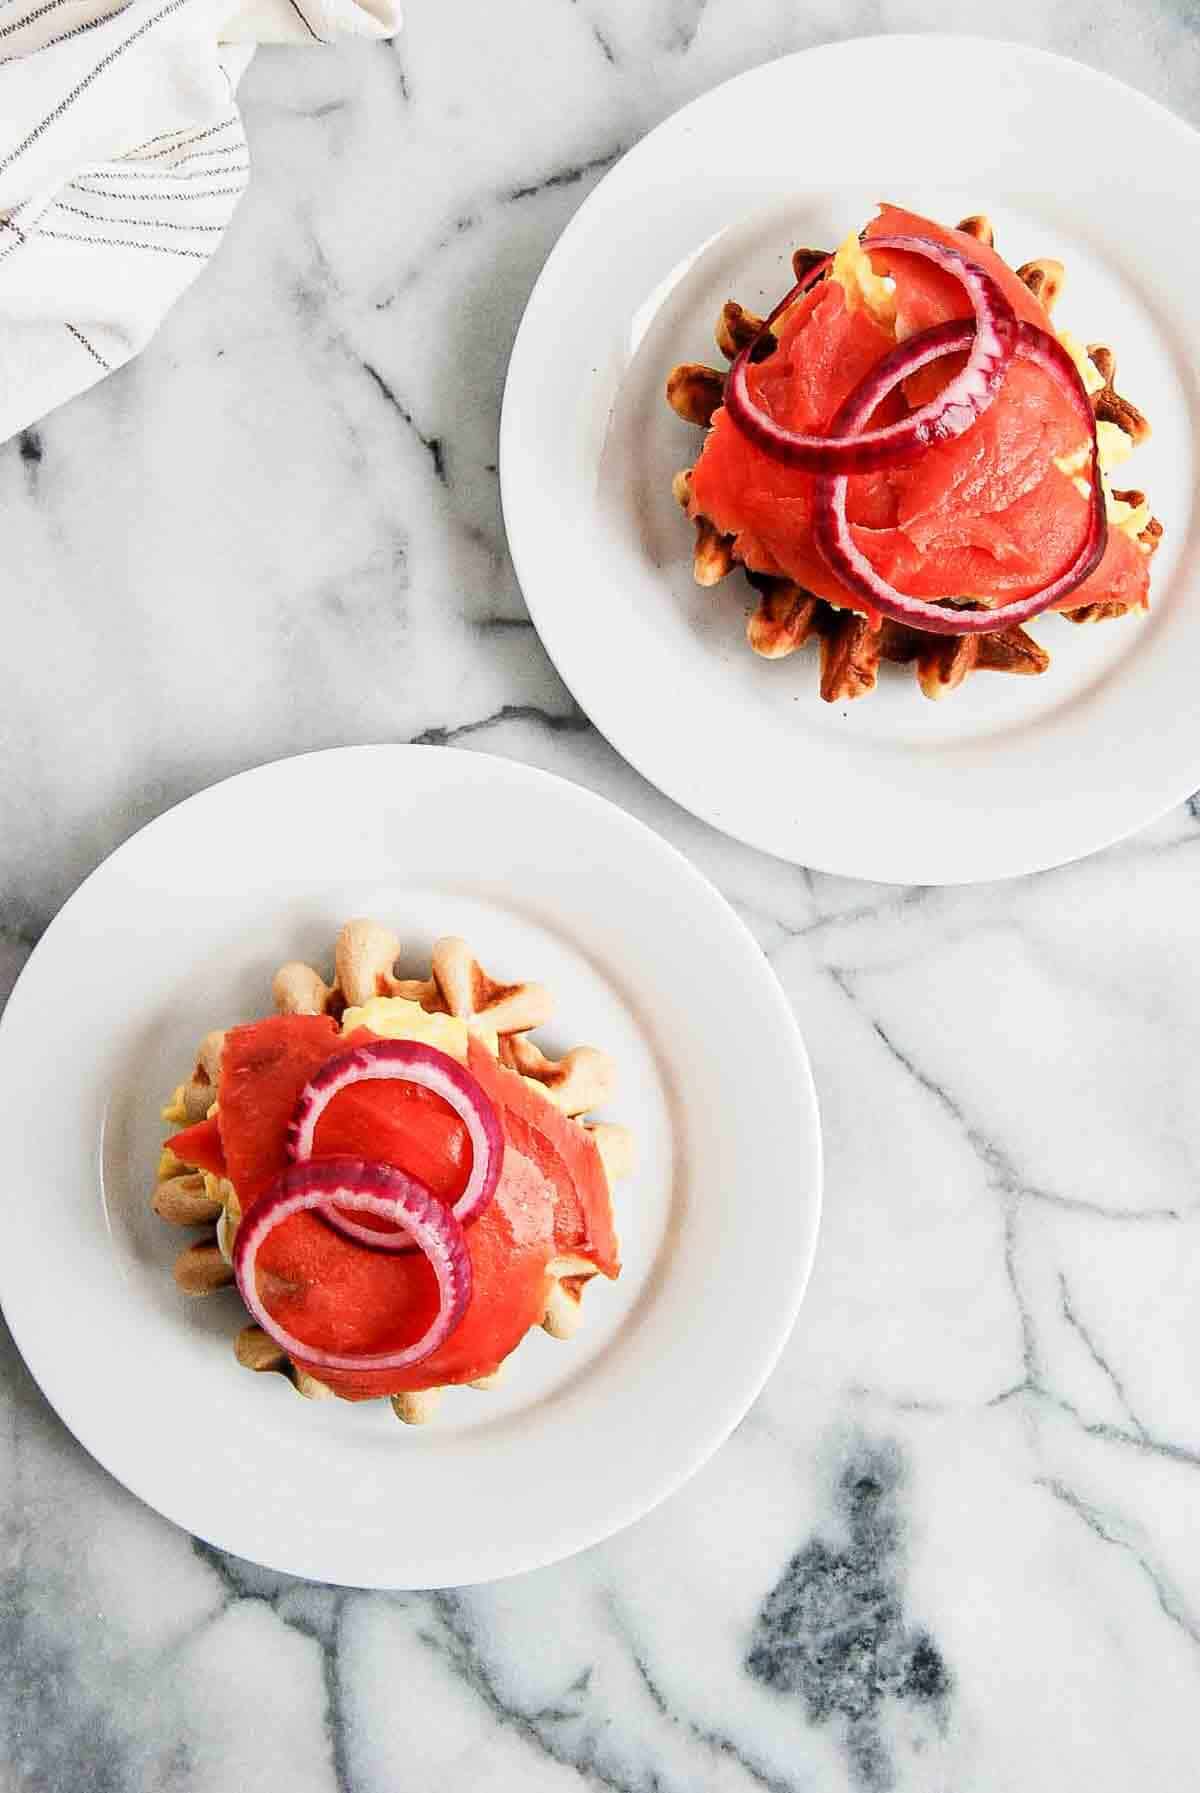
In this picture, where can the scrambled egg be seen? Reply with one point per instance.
(1089, 373)
(396, 1018)
(863, 287)
(1113, 447)
(1128, 517)
(1113, 444)
(1132, 518)
(174, 1113)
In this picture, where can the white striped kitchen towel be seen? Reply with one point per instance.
(122, 157)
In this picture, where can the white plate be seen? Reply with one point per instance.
(180, 932)
(1007, 775)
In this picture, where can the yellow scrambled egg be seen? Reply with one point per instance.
(864, 289)
(173, 1112)
(1089, 373)
(396, 1018)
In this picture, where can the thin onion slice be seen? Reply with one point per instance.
(831, 528)
(407, 1061)
(369, 1189)
(992, 342)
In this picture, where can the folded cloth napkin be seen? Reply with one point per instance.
(122, 157)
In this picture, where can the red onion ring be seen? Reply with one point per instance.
(831, 528)
(373, 1189)
(410, 1062)
(856, 450)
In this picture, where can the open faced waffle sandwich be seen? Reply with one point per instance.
(397, 1178)
(909, 462)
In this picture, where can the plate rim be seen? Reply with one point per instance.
(606, 714)
(87, 1426)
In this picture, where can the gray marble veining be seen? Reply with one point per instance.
(953, 1546)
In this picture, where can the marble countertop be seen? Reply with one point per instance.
(953, 1546)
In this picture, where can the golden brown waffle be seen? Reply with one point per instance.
(365, 959)
(787, 616)
(1108, 404)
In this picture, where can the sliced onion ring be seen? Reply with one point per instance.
(409, 1062)
(992, 342)
(371, 1189)
(835, 539)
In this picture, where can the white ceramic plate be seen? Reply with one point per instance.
(180, 932)
(1007, 775)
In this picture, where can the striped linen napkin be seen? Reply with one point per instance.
(122, 157)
